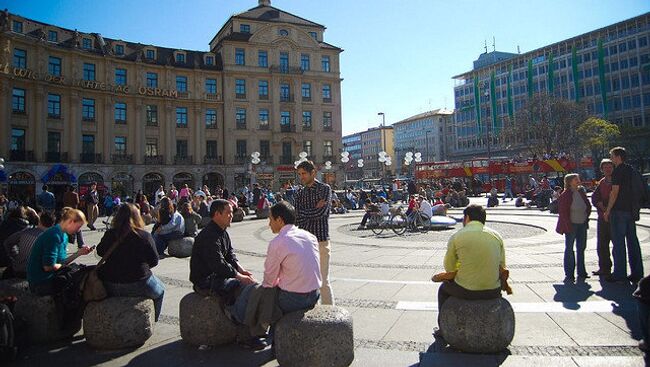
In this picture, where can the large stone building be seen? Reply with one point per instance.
(352, 145)
(373, 141)
(78, 107)
(607, 70)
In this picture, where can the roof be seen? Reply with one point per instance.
(268, 13)
(439, 111)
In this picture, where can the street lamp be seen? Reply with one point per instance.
(383, 138)
(486, 93)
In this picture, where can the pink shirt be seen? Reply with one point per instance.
(292, 261)
(185, 192)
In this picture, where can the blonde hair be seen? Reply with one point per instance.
(568, 178)
(75, 215)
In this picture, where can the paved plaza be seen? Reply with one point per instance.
(384, 282)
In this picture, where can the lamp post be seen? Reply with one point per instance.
(486, 93)
(383, 139)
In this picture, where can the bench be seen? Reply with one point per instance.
(119, 322)
(42, 320)
(181, 247)
(203, 321)
(318, 337)
(477, 326)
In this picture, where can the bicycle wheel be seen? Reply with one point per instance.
(420, 224)
(398, 223)
(375, 224)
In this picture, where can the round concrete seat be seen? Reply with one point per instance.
(119, 322)
(442, 221)
(481, 326)
(181, 247)
(13, 287)
(42, 321)
(203, 322)
(262, 213)
(238, 215)
(321, 336)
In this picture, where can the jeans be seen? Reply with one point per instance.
(508, 194)
(624, 233)
(579, 236)
(291, 301)
(162, 239)
(151, 288)
(644, 313)
(238, 309)
(604, 237)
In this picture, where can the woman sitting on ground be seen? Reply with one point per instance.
(170, 225)
(127, 271)
(192, 220)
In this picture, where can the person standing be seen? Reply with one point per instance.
(313, 204)
(621, 214)
(508, 193)
(46, 200)
(573, 221)
(600, 199)
(92, 199)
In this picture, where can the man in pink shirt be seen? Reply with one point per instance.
(292, 261)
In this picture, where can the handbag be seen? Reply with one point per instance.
(93, 288)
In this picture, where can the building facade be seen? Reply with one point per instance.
(606, 70)
(373, 141)
(424, 133)
(352, 144)
(78, 107)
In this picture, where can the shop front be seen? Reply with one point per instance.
(58, 178)
(86, 179)
(122, 185)
(286, 175)
(21, 186)
(181, 179)
(212, 180)
(150, 184)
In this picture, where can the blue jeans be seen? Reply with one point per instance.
(508, 194)
(624, 233)
(579, 236)
(151, 288)
(238, 309)
(162, 239)
(291, 301)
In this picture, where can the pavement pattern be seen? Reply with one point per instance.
(384, 282)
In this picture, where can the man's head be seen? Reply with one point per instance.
(46, 220)
(45, 187)
(307, 172)
(93, 186)
(474, 212)
(618, 155)
(282, 214)
(221, 213)
(607, 167)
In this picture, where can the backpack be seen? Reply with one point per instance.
(8, 349)
(640, 195)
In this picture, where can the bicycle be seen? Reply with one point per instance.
(417, 222)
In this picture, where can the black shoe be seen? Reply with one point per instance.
(584, 276)
(602, 273)
(569, 279)
(253, 343)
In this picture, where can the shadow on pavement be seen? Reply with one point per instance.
(624, 304)
(441, 354)
(570, 294)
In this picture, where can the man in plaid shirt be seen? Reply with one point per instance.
(313, 204)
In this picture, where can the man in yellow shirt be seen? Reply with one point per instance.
(475, 253)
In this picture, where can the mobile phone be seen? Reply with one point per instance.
(92, 247)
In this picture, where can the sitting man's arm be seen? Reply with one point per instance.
(272, 266)
(451, 258)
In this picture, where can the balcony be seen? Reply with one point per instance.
(328, 158)
(266, 159)
(286, 159)
(56, 157)
(122, 158)
(263, 97)
(21, 155)
(240, 95)
(327, 128)
(240, 126)
(288, 128)
(213, 96)
(306, 99)
(306, 128)
(286, 69)
(90, 158)
(327, 100)
(241, 159)
(286, 98)
(54, 116)
(184, 95)
(154, 159)
(208, 159)
(183, 159)
(264, 127)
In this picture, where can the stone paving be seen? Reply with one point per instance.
(384, 282)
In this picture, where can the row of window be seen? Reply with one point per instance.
(285, 119)
(285, 91)
(246, 28)
(263, 60)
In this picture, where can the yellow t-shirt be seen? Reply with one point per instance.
(475, 253)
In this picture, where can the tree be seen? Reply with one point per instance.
(597, 135)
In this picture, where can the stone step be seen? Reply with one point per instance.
(504, 360)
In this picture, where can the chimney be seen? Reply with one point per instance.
(265, 2)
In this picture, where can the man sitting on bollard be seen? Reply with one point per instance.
(476, 254)
(292, 261)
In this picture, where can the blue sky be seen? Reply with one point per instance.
(399, 55)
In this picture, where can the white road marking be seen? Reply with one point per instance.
(529, 307)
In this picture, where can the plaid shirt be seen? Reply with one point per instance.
(310, 218)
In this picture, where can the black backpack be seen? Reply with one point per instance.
(8, 349)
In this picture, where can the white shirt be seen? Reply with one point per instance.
(384, 208)
(426, 209)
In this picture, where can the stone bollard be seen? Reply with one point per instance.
(181, 247)
(480, 326)
(119, 322)
(42, 320)
(238, 215)
(203, 322)
(13, 287)
(318, 337)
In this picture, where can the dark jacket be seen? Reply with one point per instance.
(212, 253)
(131, 261)
(564, 211)
(601, 194)
(7, 228)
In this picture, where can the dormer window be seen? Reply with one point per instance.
(86, 43)
(209, 59)
(283, 32)
(119, 50)
(314, 35)
(53, 36)
(245, 28)
(17, 26)
(180, 57)
(150, 54)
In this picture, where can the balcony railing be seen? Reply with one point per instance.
(306, 99)
(90, 158)
(266, 159)
(327, 128)
(213, 96)
(264, 127)
(286, 98)
(286, 69)
(240, 126)
(240, 95)
(182, 159)
(328, 158)
(54, 116)
(286, 159)
(241, 159)
(154, 159)
(306, 128)
(263, 97)
(21, 155)
(212, 160)
(56, 157)
(122, 158)
(327, 100)
(288, 128)
(184, 95)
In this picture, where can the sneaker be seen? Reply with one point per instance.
(253, 343)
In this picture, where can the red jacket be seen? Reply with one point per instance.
(564, 210)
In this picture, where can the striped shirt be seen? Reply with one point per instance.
(308, 216)
(19, 246)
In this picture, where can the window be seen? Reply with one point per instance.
(211, 86)
(306, 120)
(306, 147)
(151, 149)
(20, 58)
(17, 26)
(89, 72)
(209, 60)
(120, 145)
(52, 36)
(150, 54)
(119, 50)
(88, 144)
(314, 35)
(240, 147)
(240, 118)
(18, 140)
(54, 66)
(240, 88)
(120, 113)
(88, 109)
(181, 83)
(285, 119)
(304, 62)
(264, 119)
(262, 59)
(181, 148)
(244, 28)
(283, 32)
(18, 100)
(240, 56)
(87, 43)
(152, 115)
(152, 80)
(287, 156)
(53, 142)
(181, 116)
(265, 148)
(120, 76)
(180, 58)
(327, 121)
(263, 89)
(285, 92)
(284, 62)
(210, 118)
(211, 149)
(643, 41)
(328, 150)
(327, 93)
(306, 91)
(325, 63)
(53, 106)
